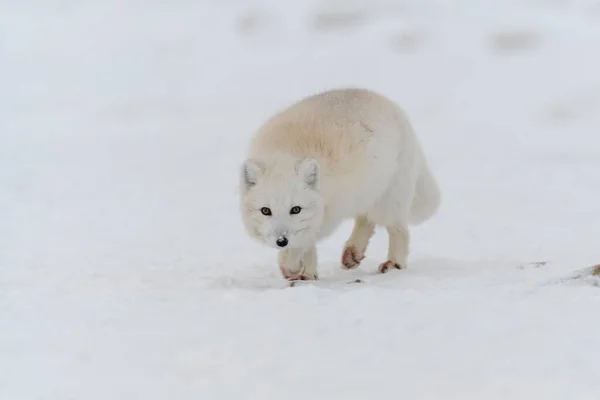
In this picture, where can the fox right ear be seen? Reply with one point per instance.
(250, 173)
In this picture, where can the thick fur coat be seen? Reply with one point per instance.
(346, 153)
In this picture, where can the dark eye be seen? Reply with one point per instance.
(295, 210)
(265, 211)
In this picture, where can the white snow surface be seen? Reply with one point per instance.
(125, 272)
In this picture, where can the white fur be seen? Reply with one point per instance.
(347, 153)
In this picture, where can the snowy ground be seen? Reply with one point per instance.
(124, 269)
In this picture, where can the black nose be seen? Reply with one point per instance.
(282, 242)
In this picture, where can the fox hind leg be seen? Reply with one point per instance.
(393, 211)
(399, 242)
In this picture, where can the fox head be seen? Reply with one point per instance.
(281, 203)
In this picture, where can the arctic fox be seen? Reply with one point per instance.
(340, 154)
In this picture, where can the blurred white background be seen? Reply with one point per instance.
(124, 269)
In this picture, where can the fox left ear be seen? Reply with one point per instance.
(308, 169)
(250, 172)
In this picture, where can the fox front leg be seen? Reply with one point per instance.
(299, 264)
(356, 245)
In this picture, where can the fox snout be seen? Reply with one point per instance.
(281, 241)
(281, 236)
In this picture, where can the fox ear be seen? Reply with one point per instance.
(250, 172)
(308, 169)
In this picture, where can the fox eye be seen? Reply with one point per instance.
(265, 211)
(295, 210)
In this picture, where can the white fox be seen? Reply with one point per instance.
(344, 153)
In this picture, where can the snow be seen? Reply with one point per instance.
(124, 269)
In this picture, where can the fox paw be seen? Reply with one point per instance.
(386, 266)
(351, 257)
(297, 276)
